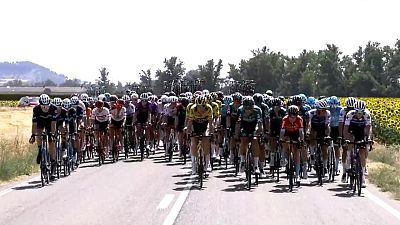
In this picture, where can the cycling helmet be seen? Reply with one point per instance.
(128, 92)
(101, 97)
(205, 92)
(276, 102)
(57, 101)
(173, 99)
(144, 96)
(189, 94)
(282, 98)
(198, 93)
(44, 99)
(91, 100)
(228, 99)
(107, 95)
(134, 96)
(113, 98)
(126, 98)
(293, 110)
(359, 105)
(164, 99)
(237, 96)
(84, 97)
(311, 101)
(322, 104)
(258, 98)
(269, 93)
(66, 103)
(171, 94)
(248, 101)
(220, 95)
(201, 100)
(74, 100)
(297, 99)
(350, 101)
(333, 101)
(321, 97)
(99, 104)
(214, 96)
(303, 98)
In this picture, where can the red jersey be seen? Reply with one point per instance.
(292, 127)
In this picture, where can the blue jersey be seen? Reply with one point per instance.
(224, 109)
(335, 115)
(254, 117)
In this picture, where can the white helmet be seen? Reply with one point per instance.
(164, 99)
(206, 92)
(134, 96)
(126, 98)
(74, 100)
(67, 103)
(57, 101)
(44, 99)
(359, 105)
(173, 99)
(84, 97)
(101, 97)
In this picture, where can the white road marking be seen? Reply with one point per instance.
(166, 201)
(176, 208)
(382, 204)
(10, 189)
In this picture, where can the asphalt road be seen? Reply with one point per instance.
(157, 192)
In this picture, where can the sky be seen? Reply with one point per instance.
(77, 37)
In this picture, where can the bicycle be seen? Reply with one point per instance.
(171, 145)
(226, 141)
(249, 162)
(355, 173)
(45, 165)
(71, 153)
(331, 161)
(290, 170)
(200, 158)
(115, 145)
(185, 148)
(58, 145)
(142, 141)
(318, 165)
(277, 160)
(128, 143)
(101, 147)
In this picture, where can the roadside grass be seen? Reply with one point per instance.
(384, 169)
(17, 157)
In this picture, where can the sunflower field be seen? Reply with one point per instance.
(8, 103)
(385, 114)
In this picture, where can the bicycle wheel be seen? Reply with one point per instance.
(359, 175)
(248, 170)
(42, 173)
(126, 144)
(200, 167)
(319, 166)
(289, 170)
(141, 144)
(332, 165)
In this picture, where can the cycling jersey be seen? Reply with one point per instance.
(181, 116)
(117, 114)
(100, 115)
(357, 125)
(143, 110)
(343, 113)
(248, 121)
(292, 129)
(335, 115)
(61, 116)
(200, 117)
(318, 122)
(215, 109)
(275, 120)
(265, 111)
(43, 119)
(70, 119)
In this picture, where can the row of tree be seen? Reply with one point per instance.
(372, 70)
(48, 83)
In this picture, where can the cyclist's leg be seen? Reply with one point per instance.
(257, 151)
(193, 150)
(272, 147)
(244, 143)
(296, 154)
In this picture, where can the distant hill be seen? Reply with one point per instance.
(28, 72)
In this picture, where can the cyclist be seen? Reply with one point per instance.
(232, 117)
(292, 129)
(200, 123)
(319, 128)
(249, 123)
(274, 124)
(259, 101)
(43, 119)
(100, 120)
(216, 114)
(61, 116)
(143, 117)
(80, 115)
(181, 116)
(335, 109)
(357, 127)
(169, 120)
(118, 114)
(350, 101)
(130, 112)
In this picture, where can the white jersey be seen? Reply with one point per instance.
(315, 119)
(130, 110)
(101, 116)
(352, 119)
(118, 114)
(169, 111)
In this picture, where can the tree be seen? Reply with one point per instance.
(145, 78)
(71, 83)
(103, 82)
(210, 74)
(173, 71)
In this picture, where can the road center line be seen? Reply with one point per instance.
(382, 204)
(176, 208)
(166, 201)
